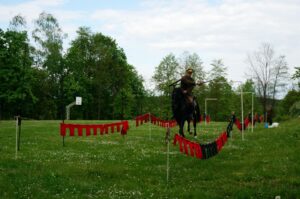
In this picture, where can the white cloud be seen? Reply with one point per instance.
(227, 29)
(29, 9)
(45, 3)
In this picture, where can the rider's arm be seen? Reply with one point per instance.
(188, 81)
(200, 82)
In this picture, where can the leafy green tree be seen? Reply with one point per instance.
(218, 69)
(42, 89)
(15, 73)
(221, 89)
(296, 75)
(288, 101)
(138, 92)
(17, 24)
(98, 70)
(165, 74)
(49, 55)
(42, 80)
(193, 61)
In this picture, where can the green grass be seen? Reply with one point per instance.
(264, 165)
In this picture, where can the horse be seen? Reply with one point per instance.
(184, 111)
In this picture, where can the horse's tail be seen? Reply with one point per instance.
(176, 100)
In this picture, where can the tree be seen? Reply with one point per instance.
(39, 80)
(17, 24)
(193, 61)
(42, 88)
(165, 74)
(297, 75)
(291, 98)
(218, 69)
(269, 74)
(138, 92)
(15, 73)
(98, 70)
(49, 55)
(279, 75)
(219, 88)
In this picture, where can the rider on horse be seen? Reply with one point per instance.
(184, 104)
(187, 84)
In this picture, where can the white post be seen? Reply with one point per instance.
(252, 107)
(68, 107)
(168, 150)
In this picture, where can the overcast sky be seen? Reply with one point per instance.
(148, 30)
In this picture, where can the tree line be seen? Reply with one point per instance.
(218, 87)
(38, 77)
(268, 78)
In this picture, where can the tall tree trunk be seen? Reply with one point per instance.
(265, 106)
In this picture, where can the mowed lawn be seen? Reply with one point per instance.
(263, 165)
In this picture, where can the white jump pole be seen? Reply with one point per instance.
(168, 151)
(252, 109)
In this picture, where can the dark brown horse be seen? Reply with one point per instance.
(184, 111)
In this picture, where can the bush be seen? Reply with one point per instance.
(281, 118)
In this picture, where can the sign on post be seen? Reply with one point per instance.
(78, 100)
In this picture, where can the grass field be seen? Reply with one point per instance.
(266, 164)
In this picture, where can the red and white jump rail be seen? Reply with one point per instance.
(94, 129)
(200, 151)
(141, 119)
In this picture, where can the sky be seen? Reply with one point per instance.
(148, 30)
